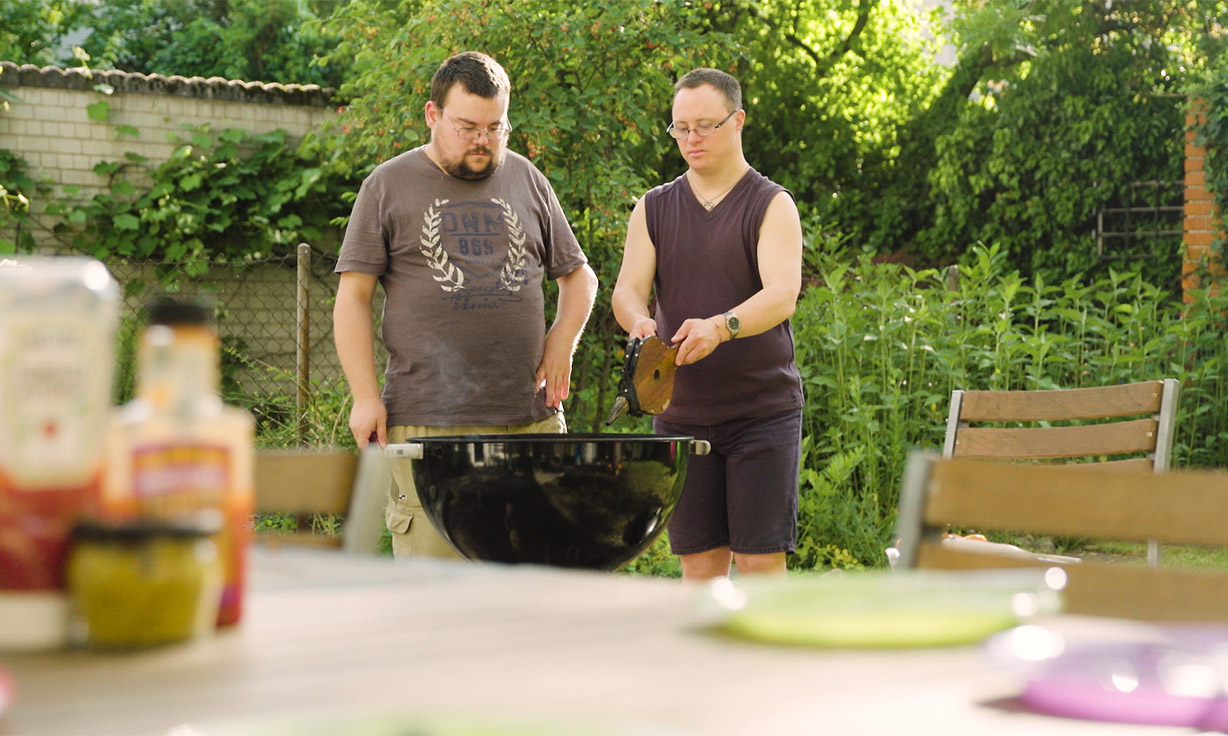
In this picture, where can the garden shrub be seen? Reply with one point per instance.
(881, 346)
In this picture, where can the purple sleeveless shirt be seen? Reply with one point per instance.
(708, 263)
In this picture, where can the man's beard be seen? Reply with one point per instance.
(462, 170)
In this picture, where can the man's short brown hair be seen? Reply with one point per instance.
(726, 83)
(476, 72)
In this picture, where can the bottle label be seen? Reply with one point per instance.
(173, 477)
(55, 375)
(178, 477)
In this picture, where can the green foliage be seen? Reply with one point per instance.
(881, 346)
(1072, 102)
(32, 30)
(656, 561)
(829, 87)
(592, 87)
(16, 188)
(325, 420)
(222, 196)
(256, 40)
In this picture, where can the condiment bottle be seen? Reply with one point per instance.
(176, 446)
(58, 322)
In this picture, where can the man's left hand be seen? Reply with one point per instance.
(696, 339)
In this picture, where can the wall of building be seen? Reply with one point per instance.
(1202, 222)
(51, 129)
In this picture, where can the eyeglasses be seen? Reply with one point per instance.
(496, 132)
(703, 129)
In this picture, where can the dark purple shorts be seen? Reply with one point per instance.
(742, 495)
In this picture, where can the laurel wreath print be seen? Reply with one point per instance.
(512, 274)
(450, 277)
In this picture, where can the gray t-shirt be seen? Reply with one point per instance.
(462, 266)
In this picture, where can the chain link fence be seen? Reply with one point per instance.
(274, 318)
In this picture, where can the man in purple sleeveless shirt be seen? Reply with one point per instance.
(720, 248)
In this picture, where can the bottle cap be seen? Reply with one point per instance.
(178, 311)
(198, 523)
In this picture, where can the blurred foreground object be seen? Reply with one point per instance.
(58, 320)
(146, 582)
(176, 447)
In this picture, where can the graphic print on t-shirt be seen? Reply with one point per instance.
(475, 247)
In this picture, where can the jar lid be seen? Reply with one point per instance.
(168, 310)
(197, 524)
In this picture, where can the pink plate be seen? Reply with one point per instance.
(7, 690)
(1177, 679)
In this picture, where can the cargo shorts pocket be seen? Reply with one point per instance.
(398, 519)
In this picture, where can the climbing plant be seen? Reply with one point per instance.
(223, 195)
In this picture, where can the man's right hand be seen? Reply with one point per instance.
(369, 421)
(644, 327)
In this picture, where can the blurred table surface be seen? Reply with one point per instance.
(327, 635)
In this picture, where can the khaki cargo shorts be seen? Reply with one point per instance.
(412, 533)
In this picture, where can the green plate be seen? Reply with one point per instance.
(883, 609)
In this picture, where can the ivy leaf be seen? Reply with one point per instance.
(126, 222)
(190, 182)
(128, 130)
(98, 111)
(310, 177)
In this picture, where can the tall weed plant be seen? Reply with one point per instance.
(881, 346)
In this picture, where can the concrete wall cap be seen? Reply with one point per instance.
(215, 88)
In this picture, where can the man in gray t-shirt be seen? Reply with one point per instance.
(460, 233)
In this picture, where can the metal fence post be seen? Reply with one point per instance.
(303, 343)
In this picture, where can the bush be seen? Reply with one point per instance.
(881, 346)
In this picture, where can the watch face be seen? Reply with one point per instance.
(733, 323)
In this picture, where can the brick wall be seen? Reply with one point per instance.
(51, 129)
(1202, 222)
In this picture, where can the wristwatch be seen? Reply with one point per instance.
(733, 324)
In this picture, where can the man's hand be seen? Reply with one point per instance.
(554, 372)
(369, 421)
(643, 328)
(696, 339)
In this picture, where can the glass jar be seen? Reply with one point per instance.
(144, 582)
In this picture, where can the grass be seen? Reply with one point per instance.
(1185, 557)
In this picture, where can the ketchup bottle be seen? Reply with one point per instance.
(58, 322)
